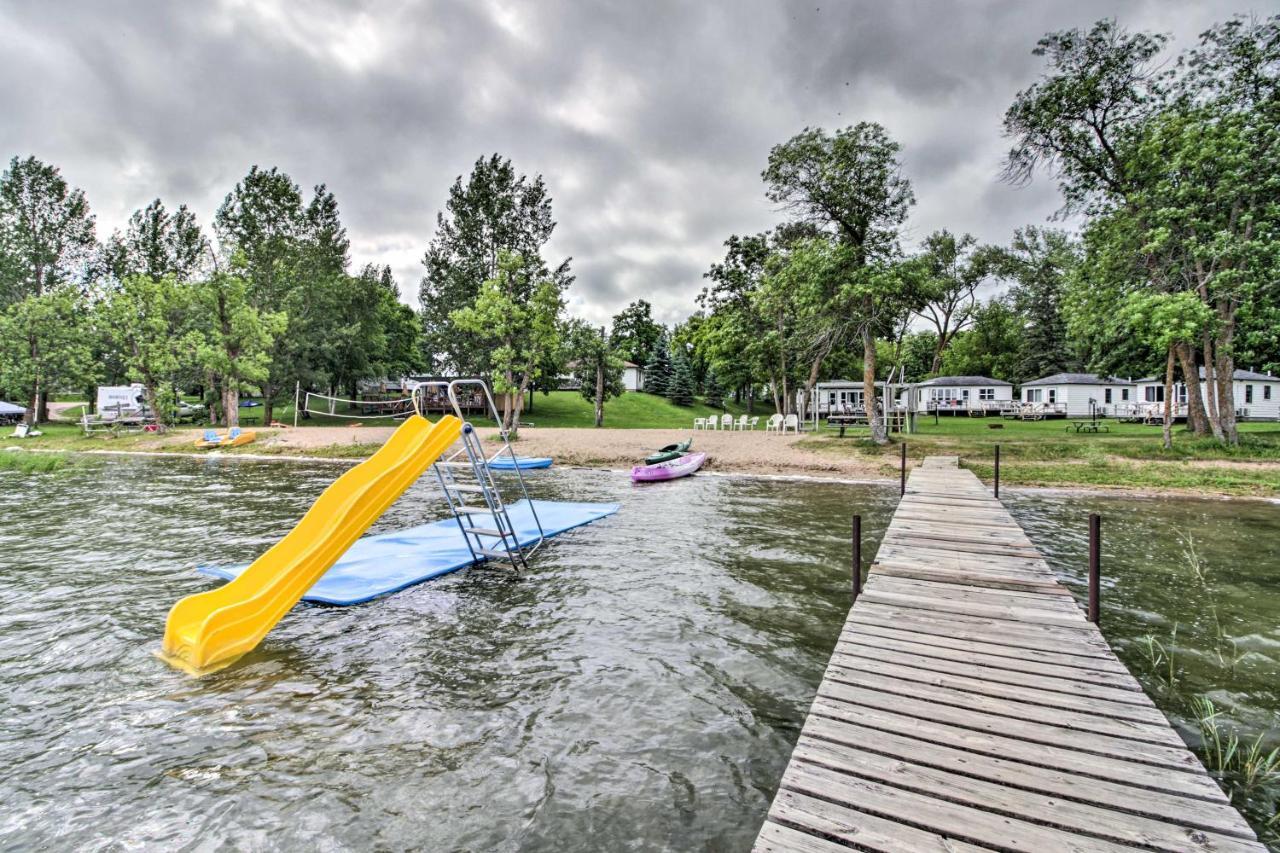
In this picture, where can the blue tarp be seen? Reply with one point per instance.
(388, 562)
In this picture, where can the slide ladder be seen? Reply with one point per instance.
(473, 493)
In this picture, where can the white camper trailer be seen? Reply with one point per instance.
(120, 400)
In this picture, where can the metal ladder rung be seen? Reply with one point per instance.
(487, 531)
(464, 487)
(474, 510)
(494, 555)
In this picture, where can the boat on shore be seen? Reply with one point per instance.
(524, 463)
(672, 469)
(669, 452)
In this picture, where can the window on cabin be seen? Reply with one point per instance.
(1248, 394)
(1266, 392)
(986, 393)
(1124, 393)
(1155, 393)
(1032, 395)
(1053, 395)
(1106, 396)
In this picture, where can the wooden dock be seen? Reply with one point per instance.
(969, 705)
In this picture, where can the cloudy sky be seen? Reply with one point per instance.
(651, 121)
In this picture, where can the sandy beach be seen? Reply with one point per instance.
(727, 452)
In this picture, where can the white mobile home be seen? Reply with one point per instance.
(1080, 395)
(960, 395)
(1256, 395)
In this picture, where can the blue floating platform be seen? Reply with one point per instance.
(506, 463)
(388, 562)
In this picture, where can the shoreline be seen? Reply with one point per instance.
(777, 476)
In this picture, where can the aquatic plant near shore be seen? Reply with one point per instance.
(26, 462)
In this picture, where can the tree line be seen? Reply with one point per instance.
(1170, 163)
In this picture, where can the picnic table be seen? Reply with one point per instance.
(1088, 426)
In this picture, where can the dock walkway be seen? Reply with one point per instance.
(970, 705)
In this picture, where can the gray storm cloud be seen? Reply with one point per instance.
(650, 121)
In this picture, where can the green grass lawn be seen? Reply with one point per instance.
(1045, 453)
(633, 410)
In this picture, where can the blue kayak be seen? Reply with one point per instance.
(506, 463)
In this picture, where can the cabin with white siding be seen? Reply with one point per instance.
(960, 395)
(1256, 395)
(1080, 395)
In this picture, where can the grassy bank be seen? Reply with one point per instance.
(35, 463)
(1045, 453)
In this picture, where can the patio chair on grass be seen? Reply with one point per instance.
(741, 423)
(752, 426)
(699, 423)
(791, 422)
(726, 421)
(774, 424)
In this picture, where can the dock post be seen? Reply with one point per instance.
(1095, 559)
(997, 480)
(903, 486)
(857, 556)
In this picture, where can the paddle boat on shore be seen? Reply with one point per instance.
(672, 469)
(234, 438)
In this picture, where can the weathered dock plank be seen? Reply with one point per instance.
(970, 705)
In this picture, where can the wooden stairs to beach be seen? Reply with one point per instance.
(970, 705)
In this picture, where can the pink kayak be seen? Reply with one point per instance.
(682, 467)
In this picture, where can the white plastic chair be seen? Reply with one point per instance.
(791, 422)
(774, 424)
(741, 423)
(752, 426)
(726, 421)
(699, 423)
(710, 423)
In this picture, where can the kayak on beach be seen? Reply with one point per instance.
(670, 470)
(669, 452)
(524, 463)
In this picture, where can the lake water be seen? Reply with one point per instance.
(640, 688)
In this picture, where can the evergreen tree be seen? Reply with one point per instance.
(715, 394)
(681, 389)
(657, 379)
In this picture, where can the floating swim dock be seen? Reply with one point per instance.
(970, 705)
(384, 563)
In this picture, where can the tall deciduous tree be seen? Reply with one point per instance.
(635, 334)
(849, 184)
(151, 322)
(597, 364)
(1179, 159)
(46, 245)
(495, 211)
(954, 266)
(237, 340)
(44, 344)
(158, 243)
(516, 315)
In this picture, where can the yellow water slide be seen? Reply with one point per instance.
(211, 629)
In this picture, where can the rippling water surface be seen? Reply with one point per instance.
(640, 688)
